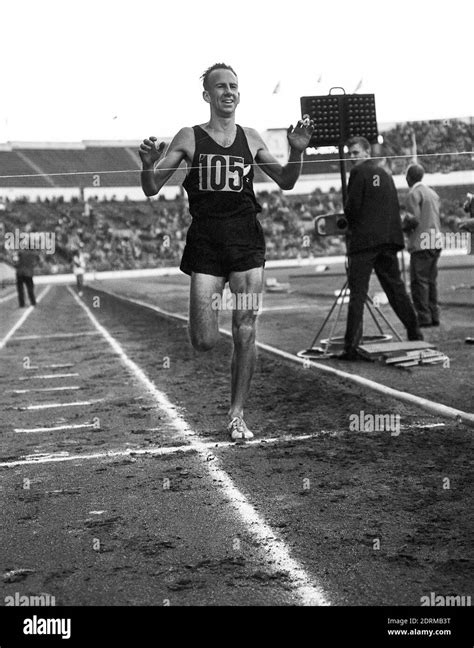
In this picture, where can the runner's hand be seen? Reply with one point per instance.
(150, 152)
(300, 135)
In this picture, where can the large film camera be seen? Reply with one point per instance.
(331, 225)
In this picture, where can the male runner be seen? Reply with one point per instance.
(225, 240)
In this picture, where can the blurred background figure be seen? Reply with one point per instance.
(468, 204)
(468, 225)
(25, 261)
(79, 267)
(423, 229)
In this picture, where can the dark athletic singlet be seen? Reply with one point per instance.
(220, 182)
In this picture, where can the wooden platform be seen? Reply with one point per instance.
(372, 351)
(404, 354)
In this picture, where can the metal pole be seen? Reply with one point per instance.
(341, 297)
(342, 167)
(369, 300)
(404, 272)
(343, 290)
(414, 149)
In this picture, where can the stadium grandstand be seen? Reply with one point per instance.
(111, 168)
(89, 192)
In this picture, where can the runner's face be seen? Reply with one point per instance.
(358, 154)
(223, 93)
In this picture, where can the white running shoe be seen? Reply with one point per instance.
(238, 429)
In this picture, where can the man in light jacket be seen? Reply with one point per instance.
(424, 244)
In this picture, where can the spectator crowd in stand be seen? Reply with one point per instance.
(120, 235)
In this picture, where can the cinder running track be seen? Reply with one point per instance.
(120, 487)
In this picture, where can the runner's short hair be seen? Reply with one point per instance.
(216, 66)
(359, 140)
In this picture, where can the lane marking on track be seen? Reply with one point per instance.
(7, 297)
(78, 426)
(308, 591)
(48, 376)
(51, 366)
(52, 405)
(55, 335)
(42, 389)
(58, 457)
(433, 407)
(151, 450)
(22, 319)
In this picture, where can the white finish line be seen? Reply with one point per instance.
(309, 592)
(58, 457)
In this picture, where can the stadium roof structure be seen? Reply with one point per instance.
(95, 163)
(115, 163)
(70, 164)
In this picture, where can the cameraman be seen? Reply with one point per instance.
(373, 240)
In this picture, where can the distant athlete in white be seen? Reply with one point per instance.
(225, 240)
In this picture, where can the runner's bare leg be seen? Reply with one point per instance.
(204, 311)
(247, 290)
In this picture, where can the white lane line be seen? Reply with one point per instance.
(24, 316)
(52, 405)
(7, 297)
(167, 450)
(309, 592)
(55, 335)
(431, 406)
(78, 426)
(56, 366)
(51, 366)
(42, 389)
(48, 376)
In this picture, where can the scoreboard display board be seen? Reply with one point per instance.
(338, 117)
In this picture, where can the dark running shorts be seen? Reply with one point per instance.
(219, 246)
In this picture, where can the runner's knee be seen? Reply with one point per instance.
(243, 330)
(202, 342)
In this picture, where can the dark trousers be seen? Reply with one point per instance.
(22, 281)
(424, 290)
(385, 263)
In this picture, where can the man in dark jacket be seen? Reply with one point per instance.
(25, 264)
(373, 240)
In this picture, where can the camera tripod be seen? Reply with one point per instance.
(324, 351)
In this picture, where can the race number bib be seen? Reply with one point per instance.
(220, 172)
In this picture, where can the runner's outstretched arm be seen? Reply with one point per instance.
(157, 170)
(285, 176)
